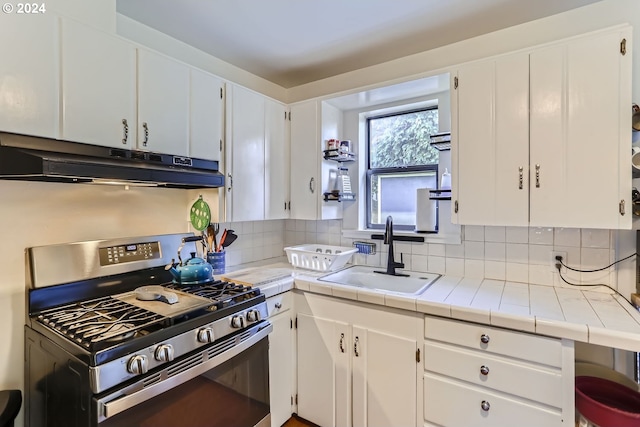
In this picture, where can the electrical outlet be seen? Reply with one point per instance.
(554, 261)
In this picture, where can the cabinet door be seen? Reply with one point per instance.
(29, 74)
(491, 148)
(98, 87)
(206, 115)
(304, 160)
(280, 369)
(276, 161)
(246, 155)
(384, 379)
(316, 370)
(580, 133)
(163, 104)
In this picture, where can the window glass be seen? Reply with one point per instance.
(402, 140)
(400, 161)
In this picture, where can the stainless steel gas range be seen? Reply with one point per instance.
(98, 355)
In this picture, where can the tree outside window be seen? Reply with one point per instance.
(400, 161)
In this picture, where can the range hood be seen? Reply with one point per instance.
(31, 158)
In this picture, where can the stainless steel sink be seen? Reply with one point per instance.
(365, 277)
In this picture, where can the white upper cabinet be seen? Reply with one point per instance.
(491, 149)
(206, 118)
(29, 74)
(313, 122)
(277, 164)
(245, 155)
(305, 161)
(581, 132)
(163, 104)
(542, 138)
(98, 87)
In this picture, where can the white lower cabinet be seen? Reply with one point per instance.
(357, 364)
(281, 358)
(478, 375)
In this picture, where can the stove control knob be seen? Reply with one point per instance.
(205, 335)
(138, 364)
(253, 316)
(164, 353)
(237, 322)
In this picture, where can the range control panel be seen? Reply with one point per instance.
(128, 253)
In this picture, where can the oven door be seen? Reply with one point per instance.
(227, 384)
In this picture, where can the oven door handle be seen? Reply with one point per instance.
(117, 402)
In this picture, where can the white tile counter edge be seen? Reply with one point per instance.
(586, 316)
(569, 323)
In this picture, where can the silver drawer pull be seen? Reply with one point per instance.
(485, 406)
(484, 370)
(484, 338)
(342, 343)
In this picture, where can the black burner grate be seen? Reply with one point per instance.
(222, 294)
(98, 323)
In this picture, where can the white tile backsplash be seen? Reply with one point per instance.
(495, 234)
(517, 234)
(474, 233)
(514, 254)
(593, 238)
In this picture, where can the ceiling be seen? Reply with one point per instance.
(292, 42)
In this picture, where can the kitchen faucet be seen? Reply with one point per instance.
(391, 262)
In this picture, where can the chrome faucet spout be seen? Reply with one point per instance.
(388, 240)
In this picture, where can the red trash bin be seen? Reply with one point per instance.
(607, 403)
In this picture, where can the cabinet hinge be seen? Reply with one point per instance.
(455, 207)
(623, 47)
(621, 207)
(455, 82)
(220, 93)
(418, 355)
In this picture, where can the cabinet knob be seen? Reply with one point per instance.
(278, 305)
(484, 338)
(520, 178)
(145, 126)
(484, 370)
(125, 131)
(485, 406)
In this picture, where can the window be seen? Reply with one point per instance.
(400, 160)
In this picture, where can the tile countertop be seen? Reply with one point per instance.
(594, 317)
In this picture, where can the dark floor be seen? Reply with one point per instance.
(296, 421)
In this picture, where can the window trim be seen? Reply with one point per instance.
(391, 170)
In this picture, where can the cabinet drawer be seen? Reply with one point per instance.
(452, 404)
(542, 384)
(279, 303)
(538, 349)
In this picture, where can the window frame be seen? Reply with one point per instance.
(392, 170)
